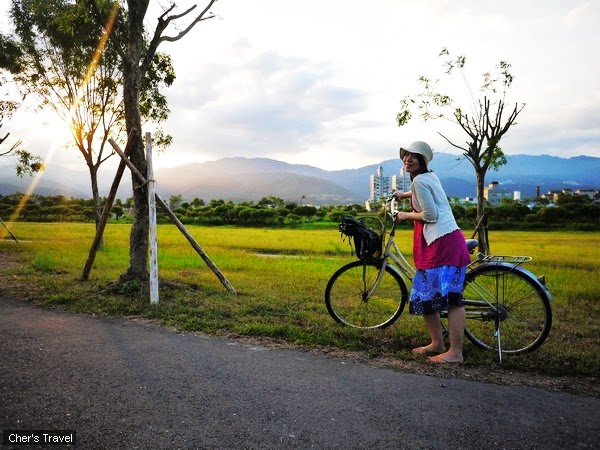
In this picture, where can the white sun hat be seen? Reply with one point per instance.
(420, 147)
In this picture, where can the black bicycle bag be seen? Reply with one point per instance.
(367, 243)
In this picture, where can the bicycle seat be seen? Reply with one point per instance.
(471, 244)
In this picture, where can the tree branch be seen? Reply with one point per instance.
(452, 143)
(464, 122)
(162, 25)
(513, 116)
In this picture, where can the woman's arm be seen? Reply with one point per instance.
(403, 215)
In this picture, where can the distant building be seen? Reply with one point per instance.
(401, 182)
(552, 195)
(379, 186)
(594, 194)
(493, 194)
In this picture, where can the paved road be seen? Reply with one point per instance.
(122, 384)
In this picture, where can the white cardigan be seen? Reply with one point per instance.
(429, 197)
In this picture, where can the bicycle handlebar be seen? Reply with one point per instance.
(393, 210)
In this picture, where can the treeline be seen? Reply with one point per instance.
(568, 211)
(269, 211)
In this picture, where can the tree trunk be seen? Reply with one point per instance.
(132, 76)
(95, 196)
(138, 239)
(482, 235)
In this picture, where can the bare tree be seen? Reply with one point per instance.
(484, 128)
(136, 56)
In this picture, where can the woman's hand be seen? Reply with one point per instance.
(399, 195)
(402, 215)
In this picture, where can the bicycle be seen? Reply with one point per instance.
(507, 307)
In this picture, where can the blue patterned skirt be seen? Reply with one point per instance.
(436, 289)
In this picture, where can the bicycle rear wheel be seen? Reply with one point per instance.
(352, 300)
(506, 307)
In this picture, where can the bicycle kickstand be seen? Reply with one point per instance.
(497, 334)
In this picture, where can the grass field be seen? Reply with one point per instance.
(280, 276)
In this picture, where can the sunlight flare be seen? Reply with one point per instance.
(72, 114)
(34, 182)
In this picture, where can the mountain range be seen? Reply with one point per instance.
(250, 179)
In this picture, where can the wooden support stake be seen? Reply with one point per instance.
(8, 229)
(106, 212)
(477, 227)
(177, 222)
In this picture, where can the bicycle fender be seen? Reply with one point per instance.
(526, 273)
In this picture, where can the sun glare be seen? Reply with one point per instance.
(90, 72)
(34, 182)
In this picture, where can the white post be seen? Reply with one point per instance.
(152, 228)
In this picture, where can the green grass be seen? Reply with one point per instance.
(280, 276)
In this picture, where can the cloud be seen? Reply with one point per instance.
(314, 82)
(260, 103)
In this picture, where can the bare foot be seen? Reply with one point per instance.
(429, 349)
(446, 358)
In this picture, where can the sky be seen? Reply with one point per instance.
(319, 82)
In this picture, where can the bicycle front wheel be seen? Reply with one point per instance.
(353, 297)
(506, 308)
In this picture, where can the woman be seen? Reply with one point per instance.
(440, 255)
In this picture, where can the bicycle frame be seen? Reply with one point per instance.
(393, 252)
(401, 264)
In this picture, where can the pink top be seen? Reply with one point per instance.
(448, 250)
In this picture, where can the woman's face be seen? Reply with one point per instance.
(411, 163)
